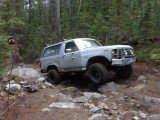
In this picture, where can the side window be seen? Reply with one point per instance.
(53, 50)
(70, 47)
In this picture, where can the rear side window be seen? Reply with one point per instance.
(72, 46)
(53, 50)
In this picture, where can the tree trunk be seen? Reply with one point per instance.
(80, 3)
(70, 11)
(51, 16)
(30, 11)
(58, 21)
(141, 5)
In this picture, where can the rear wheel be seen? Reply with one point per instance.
(53, 76)
(98, 73)
(124, 72)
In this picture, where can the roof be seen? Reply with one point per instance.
(68, 40)
(78, 39)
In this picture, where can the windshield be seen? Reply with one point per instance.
(83, 44)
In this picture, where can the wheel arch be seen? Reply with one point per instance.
(98, 59)
(52, 67)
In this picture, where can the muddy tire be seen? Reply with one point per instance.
(98, 73)
(53, 76)
(124, 72)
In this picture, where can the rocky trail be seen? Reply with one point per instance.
(33, 98)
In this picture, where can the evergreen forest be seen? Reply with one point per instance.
(36, 23)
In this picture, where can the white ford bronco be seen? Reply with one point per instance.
(86, 55)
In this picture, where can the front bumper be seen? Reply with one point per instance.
(123, 61)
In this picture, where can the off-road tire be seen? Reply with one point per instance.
(53, 76)
(124, 72)
(98, 73)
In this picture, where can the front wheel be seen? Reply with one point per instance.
(124, 72)
(98, 73)
(53, 76)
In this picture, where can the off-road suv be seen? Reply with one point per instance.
(86, 55)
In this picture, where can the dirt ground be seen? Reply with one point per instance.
(128, 98)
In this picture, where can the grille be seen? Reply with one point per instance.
(120, 54)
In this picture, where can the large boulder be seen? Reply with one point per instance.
(110, 87)
(30, 88)
(13, 88)
(25, 72)
(63, 105)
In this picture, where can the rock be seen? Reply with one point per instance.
(138, 87)
(21, 95)
(3, 94)
(124, 98)
(12, 82)
(113, 106)
(103, 106)
(25, 72)
(142, 115)
(43, 87)
(154, 117)
(105, 100)
(130, 112)
(63, 96)
(49, 85)
(155, 70)
(63, 105)
(135, 118)
(114, 112)
(111, 86)
(95, 110)
(69, 89)
(30, 88)
(89, 105)
(75, 91)
(81, 99)
(41, 79)
(141, 78)
(98, 116)
(151, 100)
(23, 82)
(110, 118)
(13, 88)
(18, 79)
(45, 110)
(4, 79)
(92, 94)
(128, 115)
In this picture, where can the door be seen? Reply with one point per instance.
(71, 60)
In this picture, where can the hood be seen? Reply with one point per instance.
(118, 46)
(110, 47)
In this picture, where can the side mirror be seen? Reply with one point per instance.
(68, 50)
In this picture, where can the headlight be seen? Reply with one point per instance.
(125, 52)
(131, 51)
(128, 52)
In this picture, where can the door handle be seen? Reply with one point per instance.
(72, 57)
(63, 56)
